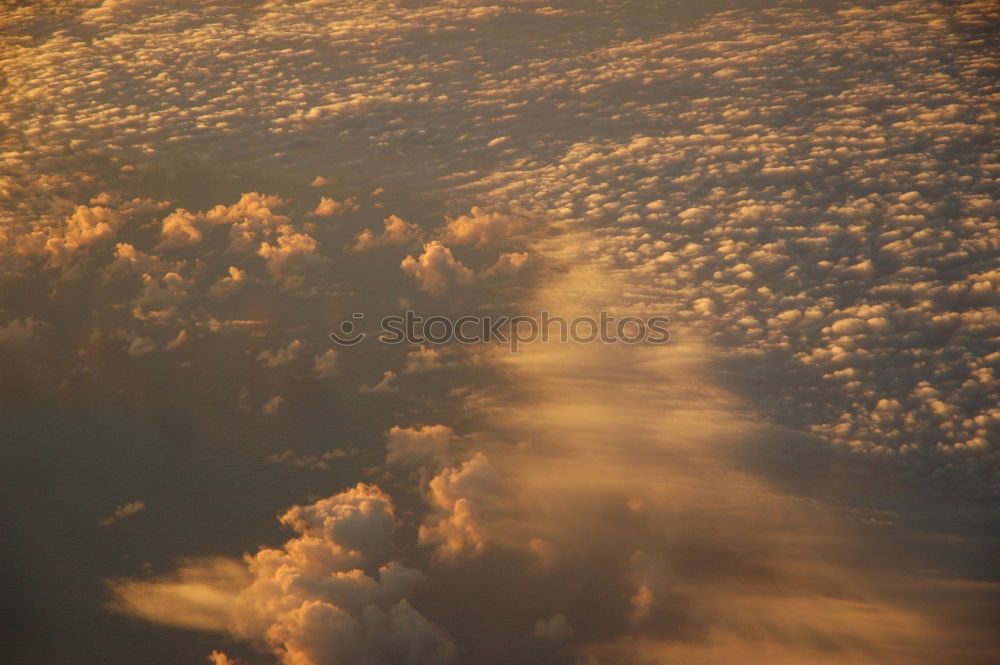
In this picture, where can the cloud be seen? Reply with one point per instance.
(309, 601)
(481, 228)
(397, 232)
(59, 245)
(328, 207)
(313, 462)
(199, 595)
(273, 405)
(220, 658)
(178, 341)
(512, 263)
(824, 227)
(424, 446)
(140, 346)
(386, 385)
(325, 365)
(424, 359)
(458, 496)
(123, 511)
(437, 270)
(230, 284)
(282, 355)
(250, 219)
(293, 257)
(162, 295)
(179, 230)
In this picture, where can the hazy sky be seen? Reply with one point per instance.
(195, 194)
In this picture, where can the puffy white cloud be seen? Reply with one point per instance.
(437, 270)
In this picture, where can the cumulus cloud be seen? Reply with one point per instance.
(249, 219)
(179, 230)
(437, 270)
(512, 263)
(459, 496)
(309, 600)
(328, 207)
(230, 284)
(292, 258)
(481, 228)
(161, 296)
(59, 244)
(397, 232)
(825, 220)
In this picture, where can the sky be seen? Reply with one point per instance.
(196, 194)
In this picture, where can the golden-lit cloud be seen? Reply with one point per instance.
(309, 600)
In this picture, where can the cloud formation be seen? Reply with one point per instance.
(310, 600)
(437, 270)
(808, 191)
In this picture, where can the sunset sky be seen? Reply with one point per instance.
(196, 194)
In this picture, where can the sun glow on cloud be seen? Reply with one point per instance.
(806, 472)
